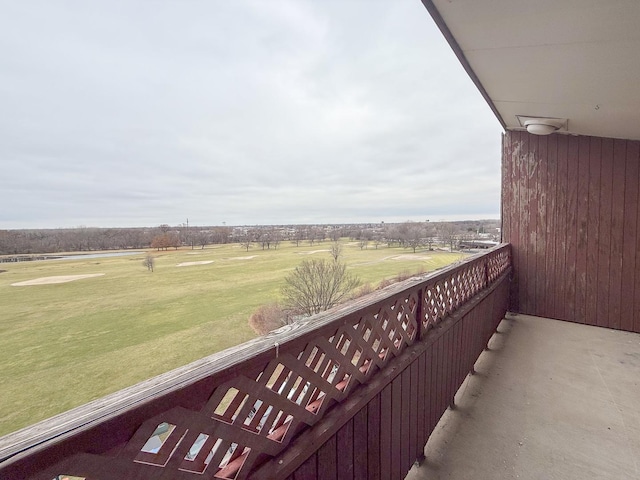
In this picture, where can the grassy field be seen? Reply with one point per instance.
(62, 345)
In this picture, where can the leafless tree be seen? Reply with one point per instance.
(449, 233)
(245, 241)
(414, 237)
(317, 285)
(336, 250)
(149, 262)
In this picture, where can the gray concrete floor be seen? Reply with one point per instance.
(551, 400)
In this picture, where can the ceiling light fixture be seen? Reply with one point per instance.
(542, 125)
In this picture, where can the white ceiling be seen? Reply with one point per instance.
(573, 59)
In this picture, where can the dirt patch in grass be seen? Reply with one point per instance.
(188, 264)
(55, 279)
(243, 258)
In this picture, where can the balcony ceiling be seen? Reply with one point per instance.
(573, 59)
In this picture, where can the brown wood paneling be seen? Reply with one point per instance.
(327, 460)
(386, 441)
(572, 215)
(552, 228)
(572, 226)
(617, 230)
(344, 452)
(396, 427)
(373, 438)
(307, 470)
(360, 444)
(581, 237)
(631, 200)
(541, 221)
(593, 230)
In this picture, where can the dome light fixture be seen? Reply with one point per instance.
(542, 125)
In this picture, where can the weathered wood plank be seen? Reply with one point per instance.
(541, 221)
(573, 153)
(373, 438)
(307, 470)
(327, 460)
(361, 444)
(604, 243)
(386, 409)
(617, 231)
(582, 246)
(413, 415)
(593, 230)
(344, 452)
(552, 226)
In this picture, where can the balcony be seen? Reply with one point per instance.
(550, 399)
(351, 393)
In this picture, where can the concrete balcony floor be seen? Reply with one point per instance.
(550, 400)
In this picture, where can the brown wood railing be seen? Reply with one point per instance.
(350, 393)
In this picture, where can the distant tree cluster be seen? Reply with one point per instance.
(85, 239)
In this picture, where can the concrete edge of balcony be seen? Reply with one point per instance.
(551, 400)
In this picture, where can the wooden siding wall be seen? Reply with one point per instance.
(570, 210)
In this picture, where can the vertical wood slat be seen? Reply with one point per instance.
(552, 229)
(386, 409)
(581, 237)
(604, 239)
(631, 200)
(374, 433)
(593, 230)
(345, 452)
(327, 460)
(396, 427)
(541, 222)
(307, 470)
(406, 458)
(617, 230)
(571, 212)
(572, 226)
(360, 443)
(560, 292)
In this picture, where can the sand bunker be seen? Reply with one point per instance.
(56, 279)
(314, 251)
(188, 264)
(243, 258)
(411, 256)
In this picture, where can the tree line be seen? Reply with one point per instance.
(412, 235)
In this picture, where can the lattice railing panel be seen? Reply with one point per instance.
(253, 417)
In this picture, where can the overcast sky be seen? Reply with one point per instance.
(138, 113)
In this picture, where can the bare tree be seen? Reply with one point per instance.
(245, 241)
(336, 250)
(449, 233)
(317, 285)
(413, 237)
(149, 262)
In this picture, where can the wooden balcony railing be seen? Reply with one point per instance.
(350, 393)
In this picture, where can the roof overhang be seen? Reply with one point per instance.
(576, 62)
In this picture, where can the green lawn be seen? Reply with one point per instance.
(62, 345)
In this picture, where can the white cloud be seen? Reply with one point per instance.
(138, 113)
